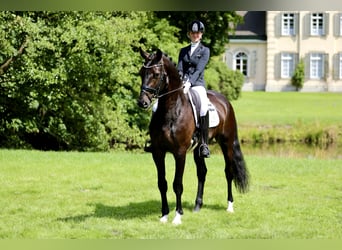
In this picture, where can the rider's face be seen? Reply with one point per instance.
(195, 36)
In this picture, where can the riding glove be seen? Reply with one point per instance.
(186, 86)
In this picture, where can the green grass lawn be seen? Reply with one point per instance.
(64, 195)
(314, 118)
(288, 108)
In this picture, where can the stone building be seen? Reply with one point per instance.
(268, 45)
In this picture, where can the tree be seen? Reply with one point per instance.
(70, 81)
(217, 25)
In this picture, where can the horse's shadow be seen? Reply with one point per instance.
(125, 212)
(130, 211)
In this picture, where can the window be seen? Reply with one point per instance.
(316, 66)
(288, 24)
(317, 24)
(287, 65)
(240, 62)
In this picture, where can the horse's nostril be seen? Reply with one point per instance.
(142, 104)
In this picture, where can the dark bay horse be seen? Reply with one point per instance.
(172, 128)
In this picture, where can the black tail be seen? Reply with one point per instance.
(240, 172)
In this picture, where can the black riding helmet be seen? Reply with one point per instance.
(196, 26)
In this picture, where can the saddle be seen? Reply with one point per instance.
(195, 102)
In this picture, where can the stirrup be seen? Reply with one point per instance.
(204, 151)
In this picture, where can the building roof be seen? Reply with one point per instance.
(253, 26)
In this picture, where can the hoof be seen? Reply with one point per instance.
(230, 208)
(163, 219)
(197, 208)
(177, 220)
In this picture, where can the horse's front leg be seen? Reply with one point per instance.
(178, 186)
(201, 176)
(159, 160)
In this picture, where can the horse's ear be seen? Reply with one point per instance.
(159, 55)
(144, 54)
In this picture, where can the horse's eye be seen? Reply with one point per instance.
(156, 75)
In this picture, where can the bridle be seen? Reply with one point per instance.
(163, 78)
(155, 91)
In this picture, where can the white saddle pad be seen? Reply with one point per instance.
(214, 118)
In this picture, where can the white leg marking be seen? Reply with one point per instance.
(230, 208)
(178, 219)
(163, 219)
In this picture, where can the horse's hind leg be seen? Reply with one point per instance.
(229, 177)
(159, 159)
(228, 155)
(201, 175)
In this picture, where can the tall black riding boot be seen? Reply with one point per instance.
(204, 126)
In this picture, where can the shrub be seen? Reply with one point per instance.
(297, 79)
(224, 80)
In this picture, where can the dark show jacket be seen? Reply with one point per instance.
(192, 67)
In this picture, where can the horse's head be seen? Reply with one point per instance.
(153, 77)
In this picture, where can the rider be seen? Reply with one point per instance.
(192, 61)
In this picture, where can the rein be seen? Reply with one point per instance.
(171, 91)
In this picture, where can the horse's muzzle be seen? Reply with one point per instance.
(144, 101)
(143, 104)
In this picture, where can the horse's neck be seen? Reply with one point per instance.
(174, 80)
(173, 76)
(174, 100)
(173, 103)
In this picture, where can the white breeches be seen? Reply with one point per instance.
(204, 99)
